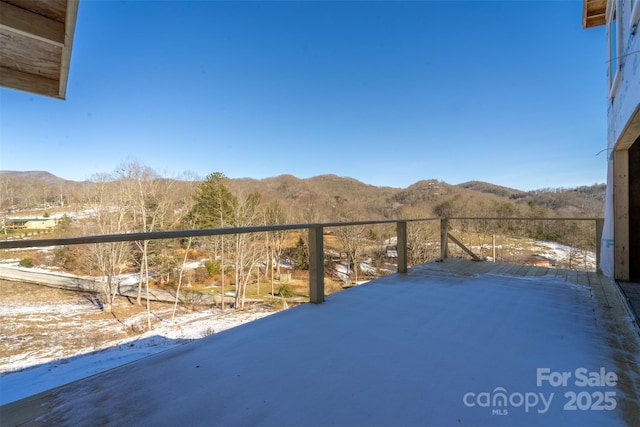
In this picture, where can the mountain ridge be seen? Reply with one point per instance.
(326, 195)
(475, 185)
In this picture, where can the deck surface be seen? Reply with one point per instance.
(450, 343)
(630, 291)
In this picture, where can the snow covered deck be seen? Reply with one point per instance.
(448, 344)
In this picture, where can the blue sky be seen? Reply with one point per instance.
(387, 92)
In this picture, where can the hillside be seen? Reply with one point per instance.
(485, 187)
(331, 198)
(29, 189)
(588, 199)
(32, 176)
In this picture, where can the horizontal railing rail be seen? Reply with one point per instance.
(316, 241)
(517, 218)
(177, 234)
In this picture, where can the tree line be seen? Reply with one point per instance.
(135, 198)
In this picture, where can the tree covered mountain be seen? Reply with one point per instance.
(334, 198)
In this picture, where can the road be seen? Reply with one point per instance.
(75, 283)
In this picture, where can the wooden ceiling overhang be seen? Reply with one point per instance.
(594, 13)
(36, 37)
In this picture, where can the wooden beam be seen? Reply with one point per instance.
(444, 240)
(464, 248)
(599, 228)
(28, 55)
(621, 215)
(28, 82)
(316, 265)
(594, 13)
(31, 24)
(401, 245)
(595, 20)
(54, 9)
(70, 29)
(630, 133)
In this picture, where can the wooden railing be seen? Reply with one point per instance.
(316, 240)
(445, 235)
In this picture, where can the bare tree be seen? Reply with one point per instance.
(423, 237)
(146, 195)
(275, 214)
(138, 184)
(7, 193)
(352, 239)
(246, 251)
(180, 276)
(421, 242)
(110, 259)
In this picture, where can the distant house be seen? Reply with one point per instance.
(620, 256)
(391, 252)
(30, 223)
(538, 261)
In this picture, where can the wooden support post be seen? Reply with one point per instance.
(621, 215)
(599, 227)
(401, 230)
(493, 247)
(316, 265)
(444, 238)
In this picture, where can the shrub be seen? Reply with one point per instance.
(201, 274)
(285, 291)
(64, 223)
(213, 268)
(26, 262)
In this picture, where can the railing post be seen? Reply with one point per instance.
(444, 238)
(401, 231)
(493, 248)
(599, 227)
(316, 265)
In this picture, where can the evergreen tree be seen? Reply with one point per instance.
(214, 207)
(214, 202)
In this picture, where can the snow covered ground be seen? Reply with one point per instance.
(57, 362)
(428, 348)
(561, 255)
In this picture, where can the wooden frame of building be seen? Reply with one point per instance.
(622, 20)
(36, 37)
(594, 13)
